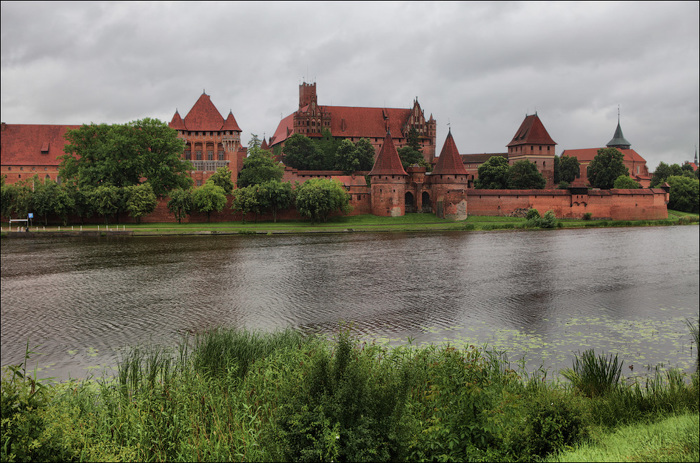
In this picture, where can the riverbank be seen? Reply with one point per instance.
(350, 224)
(232, 395)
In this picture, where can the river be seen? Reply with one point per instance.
(540, 295)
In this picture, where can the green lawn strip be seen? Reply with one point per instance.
(673, 439)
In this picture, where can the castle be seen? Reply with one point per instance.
(212, 141)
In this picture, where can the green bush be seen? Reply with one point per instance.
(532, 214)
(594, 375)
(588, 216)
(549, 220)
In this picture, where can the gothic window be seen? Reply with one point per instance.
(199, 155)
(199, 183)
(188, 155)
(210, 155)
(221, 155)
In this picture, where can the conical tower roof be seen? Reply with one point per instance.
(531, 131)
(388, 161)
(204, 116)
(449, 162)
(177, 122)
(230, 123)
(618, 140)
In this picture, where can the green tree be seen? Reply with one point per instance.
(364, 153)
(413, 141)
(625, 182)
(300, 152)
(208, 198)
(569, 169)
(247, 200)
(523, 175)
(124, 154)
(275, 196)
(664, 171)
(180, 203)
(222, 178)
(493, 174)
(410, 157)
(17, 199)
(317, 198)
(259, 167)
(83, 206)
(328, 148)
(140, 200)
(685, 193)
(5, 198)
(605, 167)
(107, 201)
(50, 198)
(352, 157)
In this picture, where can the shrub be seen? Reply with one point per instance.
(594, 375)
(532, 214)
(588, 216)
(548, 221)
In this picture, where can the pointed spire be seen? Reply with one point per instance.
(388, 161)
(449, 162)
(618, 139)
(177, 123)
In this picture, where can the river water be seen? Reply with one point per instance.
(540, 295)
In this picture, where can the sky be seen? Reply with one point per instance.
(478, 68)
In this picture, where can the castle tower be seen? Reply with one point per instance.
(388, 181)
(210, 140)
(532, 143)
(449, 182)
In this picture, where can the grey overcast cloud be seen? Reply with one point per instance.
(479, 67)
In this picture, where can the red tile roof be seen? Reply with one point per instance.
(33, 144)
(388, 161)
(449, 162)
(204, 117)
(353, 122)
(587, 154)
(531, 131)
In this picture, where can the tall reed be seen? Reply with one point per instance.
(594, 375)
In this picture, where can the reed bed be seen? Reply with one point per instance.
(237, 395)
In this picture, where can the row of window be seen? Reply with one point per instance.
(22, 168)
(207, 134)
(210, 155)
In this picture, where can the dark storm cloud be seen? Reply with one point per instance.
(480, 66)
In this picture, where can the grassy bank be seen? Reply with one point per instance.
(232, 395)
(361, 223)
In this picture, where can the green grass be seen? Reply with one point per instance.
(672, 439)
(236, 395)
(413, 222)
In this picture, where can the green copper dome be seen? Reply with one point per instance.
(619, 140)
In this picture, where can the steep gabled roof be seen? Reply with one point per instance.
(449, 162)
(204, 116)
(33, 144)
(531, 132)
(388, 161)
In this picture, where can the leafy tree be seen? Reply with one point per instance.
(352, 157)
(254, 142)
(180, 203)
(208, 198)
(50, 198)
(300, 152)
(493, 174)
(82, 201)
(557, 170)
(259, 167)
(6, 192)
(124, 154)
(569, 169)
(605, 167)
(274, 196)
(523, 175)
(413, 141)
(664, 171)
(140, 200)
(625, 182)
(247, 200)
(328, 148)
(106, 200)
(317, 198)
(685, 193)
(222, 178)
(17, 199)
(410, 157)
